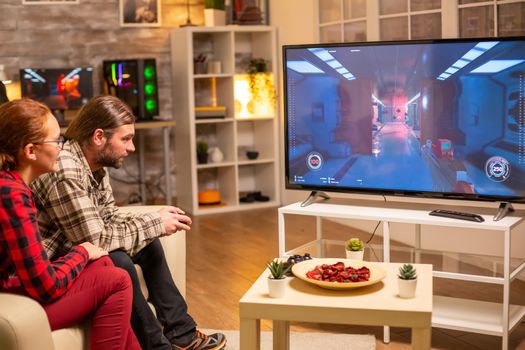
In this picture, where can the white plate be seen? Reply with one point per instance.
(376, 273)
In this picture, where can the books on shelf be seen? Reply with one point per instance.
(204, 112)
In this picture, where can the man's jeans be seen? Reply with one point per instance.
(172, 319)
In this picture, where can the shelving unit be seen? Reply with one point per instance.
(233, 133)
(497, 319)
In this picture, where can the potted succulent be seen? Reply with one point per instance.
(202, 152)
(214, 13)
(407, 281)
(277, 278)
(355, 249)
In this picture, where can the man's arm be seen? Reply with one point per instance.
(93, 217)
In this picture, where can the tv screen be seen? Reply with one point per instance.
(61, 89)
(440, 118)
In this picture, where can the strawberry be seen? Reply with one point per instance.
(338, 273)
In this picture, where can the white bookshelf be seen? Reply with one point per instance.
(236, 174)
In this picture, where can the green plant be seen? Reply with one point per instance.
(278, 268)
(258, 65)
(214, 4)
(407, 272)
(202, 147)
(355, 245)
(260, 79)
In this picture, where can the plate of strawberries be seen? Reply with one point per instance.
(338, 273)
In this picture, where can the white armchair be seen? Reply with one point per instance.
(24, 324)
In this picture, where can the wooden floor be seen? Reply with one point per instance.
(227, 252)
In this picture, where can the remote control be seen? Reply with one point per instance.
(457, 215)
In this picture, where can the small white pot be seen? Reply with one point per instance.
(355, 255)
(276, 287)
(407, 288)
(214, 17)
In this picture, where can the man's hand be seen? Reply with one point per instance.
(94, 252)
(174, 219)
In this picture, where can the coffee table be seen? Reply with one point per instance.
(375, 305)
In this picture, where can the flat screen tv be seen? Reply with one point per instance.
(61, 89)
(437, 118)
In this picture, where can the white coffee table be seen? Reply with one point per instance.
(376, 305)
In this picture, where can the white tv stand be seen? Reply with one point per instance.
(453, 313)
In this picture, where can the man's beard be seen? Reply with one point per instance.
(108, 158)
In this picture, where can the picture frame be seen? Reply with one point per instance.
(140, 13)
(249, 12)
(50, 2)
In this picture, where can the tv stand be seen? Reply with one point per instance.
(493, 318)
(503, 210)
(313, 196)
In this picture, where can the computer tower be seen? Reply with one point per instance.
(134, 81)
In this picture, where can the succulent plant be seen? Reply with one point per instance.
(214, 4)
(202, 147)
(407, 272)
(355, 245)
(278, 268)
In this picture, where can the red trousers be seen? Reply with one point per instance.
(103, 293)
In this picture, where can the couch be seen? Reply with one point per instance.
(24, 324)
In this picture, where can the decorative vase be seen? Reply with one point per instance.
(355, 254)
(407, 288)
(216, 155)
(276, 287)
(214, 17)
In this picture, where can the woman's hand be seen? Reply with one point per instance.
(94, 252)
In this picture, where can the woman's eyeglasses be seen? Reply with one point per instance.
(60, 142)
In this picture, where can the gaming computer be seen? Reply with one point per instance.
(134, 82)
(65, 90)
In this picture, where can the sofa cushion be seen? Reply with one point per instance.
(76, 337)
(143, 287)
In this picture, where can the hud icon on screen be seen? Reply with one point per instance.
(314, 161)
(497, 169)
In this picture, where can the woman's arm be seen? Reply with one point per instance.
(43, 280)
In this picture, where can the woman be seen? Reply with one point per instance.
(83, 283)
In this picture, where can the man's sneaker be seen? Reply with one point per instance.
(201, 341)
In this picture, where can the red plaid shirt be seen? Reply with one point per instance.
(24, 265)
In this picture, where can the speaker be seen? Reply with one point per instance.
(134, 81)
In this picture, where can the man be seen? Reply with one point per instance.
(77, 205)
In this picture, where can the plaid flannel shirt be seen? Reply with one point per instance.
(24, 264)
(77, 205)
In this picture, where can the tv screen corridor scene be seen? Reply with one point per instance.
(442, 118)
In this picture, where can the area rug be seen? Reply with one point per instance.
(307, 340)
